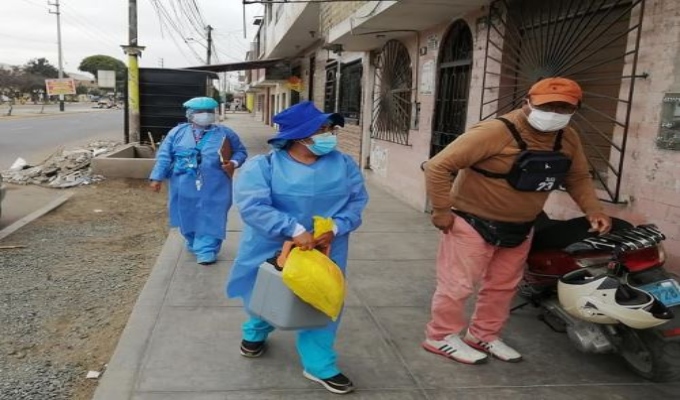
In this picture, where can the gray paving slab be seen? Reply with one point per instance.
(566, 392)
(401, 245)
(397, 221)
(395, 283)
(195, 285)
(550, 360)
(196, 349)
(182, 339)
(318, 394)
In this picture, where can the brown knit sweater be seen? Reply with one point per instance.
(490, 146)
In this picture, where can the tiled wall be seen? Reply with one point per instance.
(333, 13)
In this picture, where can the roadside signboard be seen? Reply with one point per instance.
(60, 86)
(106, 78)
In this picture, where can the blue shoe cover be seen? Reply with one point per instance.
(206, 259)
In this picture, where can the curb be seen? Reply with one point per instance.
(34, 215)
(120, 378)
(52, 114)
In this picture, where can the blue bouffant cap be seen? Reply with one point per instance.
(302, 121)
(201, 103)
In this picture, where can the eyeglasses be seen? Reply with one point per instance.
(556, 107)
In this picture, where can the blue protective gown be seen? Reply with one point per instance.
(273, 194)
(201, 215)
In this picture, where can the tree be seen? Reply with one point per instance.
(92, 64)
(41, 67)
(82, 89)
(10, 81)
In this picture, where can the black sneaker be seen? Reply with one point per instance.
(252, 349)
(338, 384)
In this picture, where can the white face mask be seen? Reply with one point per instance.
(203, 119)
(546, 121)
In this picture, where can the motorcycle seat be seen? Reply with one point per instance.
(551, 234)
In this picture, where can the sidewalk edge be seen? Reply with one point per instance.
(119, 379)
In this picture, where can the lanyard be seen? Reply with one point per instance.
(199, 147)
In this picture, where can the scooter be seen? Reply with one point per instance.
(633, 253)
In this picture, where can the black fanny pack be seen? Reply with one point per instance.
(496, 233)
(534, 170)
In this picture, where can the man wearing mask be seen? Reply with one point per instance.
(505, 170)
(199, 158)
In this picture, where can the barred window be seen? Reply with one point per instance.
(392, 94)
(329, 89)
(350, 91)
(593, 43)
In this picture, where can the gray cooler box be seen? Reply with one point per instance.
(275, 303)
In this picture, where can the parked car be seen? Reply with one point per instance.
(105, 103)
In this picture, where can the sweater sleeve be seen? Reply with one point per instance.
(579, 183)
(480, 142)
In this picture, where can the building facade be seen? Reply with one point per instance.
(410, 76)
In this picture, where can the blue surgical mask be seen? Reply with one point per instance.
(323, 144)
(203, 119)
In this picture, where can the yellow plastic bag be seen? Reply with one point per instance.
(314, 277)
(322, 225)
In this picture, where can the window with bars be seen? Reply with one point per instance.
(591, 42)
(350, 91)
(312, 70)
(329, 88)
(392, 94)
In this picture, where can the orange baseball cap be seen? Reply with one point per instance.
(555, 89)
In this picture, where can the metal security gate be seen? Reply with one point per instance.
(392, 94)
(589, 41)
(453, 87)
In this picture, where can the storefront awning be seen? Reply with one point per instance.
(241, 65)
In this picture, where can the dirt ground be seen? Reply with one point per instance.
(66, 297)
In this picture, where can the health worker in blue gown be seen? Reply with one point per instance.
(277, 195)
(198, 159)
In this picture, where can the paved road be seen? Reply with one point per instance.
(34, 138)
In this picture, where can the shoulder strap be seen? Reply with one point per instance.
(515, 133)
(558, 141)
(520, 142)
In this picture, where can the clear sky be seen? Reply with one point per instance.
(89, 27)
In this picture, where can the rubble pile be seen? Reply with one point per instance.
(63, 169)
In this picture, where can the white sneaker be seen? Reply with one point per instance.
(496, 348)
(455, 348)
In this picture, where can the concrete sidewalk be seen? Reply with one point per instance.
(182, 339)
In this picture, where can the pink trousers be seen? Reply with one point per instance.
(465, 264)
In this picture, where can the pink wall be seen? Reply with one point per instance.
(397, 167)
(651, 177)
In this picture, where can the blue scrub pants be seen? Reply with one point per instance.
(315, 346)
(205, 247)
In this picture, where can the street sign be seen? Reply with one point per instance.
(60, 86)
(106, 78)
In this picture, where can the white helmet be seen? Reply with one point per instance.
(605, 299)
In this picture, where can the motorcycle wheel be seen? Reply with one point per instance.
(650, 355)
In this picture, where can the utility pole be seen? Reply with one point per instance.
(133, 51)
(160, 62)
(61, 64)
(209, 55)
